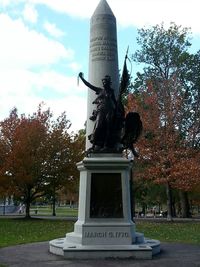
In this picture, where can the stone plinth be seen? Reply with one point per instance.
(104, 227)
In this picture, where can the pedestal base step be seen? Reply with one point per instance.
(73, 251)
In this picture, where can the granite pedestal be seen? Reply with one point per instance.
(104, 228)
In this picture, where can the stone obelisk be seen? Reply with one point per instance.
(103, 55)
(104, 227)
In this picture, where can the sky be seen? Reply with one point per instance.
(44, 44)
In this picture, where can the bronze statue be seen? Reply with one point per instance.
(103, 115)
(113, 131)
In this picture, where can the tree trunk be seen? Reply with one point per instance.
(159, 207)
(169, 202)
(185, 206)
(28, 204)
(4, 205)
(144, 209)
(54, 204)
(173, 208)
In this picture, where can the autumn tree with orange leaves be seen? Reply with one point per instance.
(35, 154)
(167, 96)
(77, 152)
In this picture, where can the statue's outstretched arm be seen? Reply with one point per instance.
(92, 87)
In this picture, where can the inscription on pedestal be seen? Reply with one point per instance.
(106, 234)
(106, 195)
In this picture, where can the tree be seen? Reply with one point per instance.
(24, 139)
(58, 164)
(35, 156)
(77, 151)
(147, 194)
(166, 96)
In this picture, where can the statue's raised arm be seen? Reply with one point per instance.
(92, 87)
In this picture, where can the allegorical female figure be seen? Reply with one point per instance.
(103, 115)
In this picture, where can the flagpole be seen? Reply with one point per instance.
(127, 53)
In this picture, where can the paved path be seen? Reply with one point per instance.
(37, 255)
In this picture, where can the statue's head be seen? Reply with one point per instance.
(106, 81)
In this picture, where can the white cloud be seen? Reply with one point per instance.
(24, 48)
(135, 12)
(58, 82)
(73, 99)
(27, 61)
(24, 89)
(11, 4)
(16, 90)
(4, 3)
(75, 107)
(52, 29)
(30, 13)
(150, 12)
(77, 8)
(75, 66)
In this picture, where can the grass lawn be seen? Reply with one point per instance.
(181, 232)
(47, 210)
(21, 231)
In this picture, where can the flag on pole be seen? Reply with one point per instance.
(125, 77)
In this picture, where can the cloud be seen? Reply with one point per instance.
(25, 48)
(28, 62)
(75, 107)
(4, 3)
(150, 12)
(82, 9)
(137, 13)
(25, 89)
(30, 13)
(52, 29)
(73, 99)
(75, 66)
(58, 82)
(16, 90)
